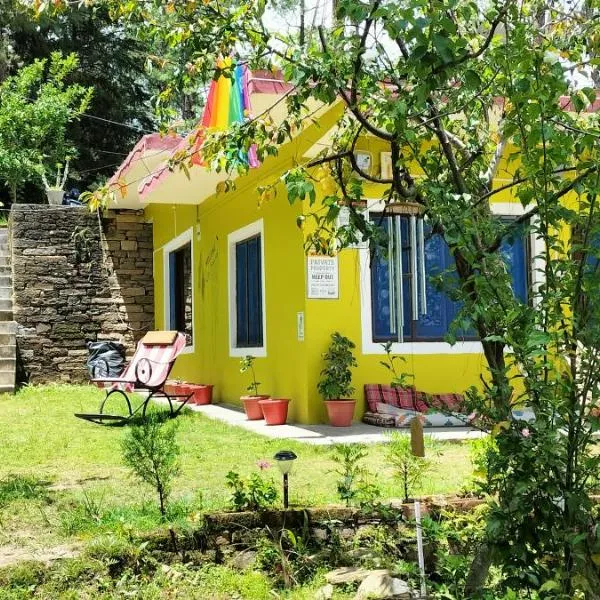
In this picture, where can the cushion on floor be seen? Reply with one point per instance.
(378, 420)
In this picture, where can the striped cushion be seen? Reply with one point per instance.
(378, 420)
(386, 394)
(454, 403)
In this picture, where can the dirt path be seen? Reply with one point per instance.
(11, 555)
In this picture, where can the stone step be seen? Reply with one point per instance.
(6, 293)
(8, 351)
(7, 389)
(6, 304)
(8, 339)
(8, 327)
(5, 260)
(7, 379)
(5, 271)
(6, 315)
(5, 281)
(8, 364)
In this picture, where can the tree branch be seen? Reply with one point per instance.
(534, 211)
(352, 105)
(488, 40)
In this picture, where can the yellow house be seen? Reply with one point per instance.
(234, 275)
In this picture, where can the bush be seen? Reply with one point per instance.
(353, 485)
(336, 377)
(253, 493)
(150, 450)
(408, 468)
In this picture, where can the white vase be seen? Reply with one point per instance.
(55, 197)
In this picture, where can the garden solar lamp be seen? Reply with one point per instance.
(285, 461)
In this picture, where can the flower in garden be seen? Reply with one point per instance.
(263, 464)
(525, 432)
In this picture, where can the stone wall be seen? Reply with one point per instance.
(73, 283)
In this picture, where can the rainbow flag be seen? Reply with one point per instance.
(228, 102)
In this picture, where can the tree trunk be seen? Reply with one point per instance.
(478, 572)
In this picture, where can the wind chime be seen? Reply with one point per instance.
(416, 274)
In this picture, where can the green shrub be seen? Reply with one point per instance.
(353, 485)
(408, 468)
(483, 453)
(24, 575)
(336, 377)
(253, 493)
(150, 450)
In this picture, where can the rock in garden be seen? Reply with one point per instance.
(244, 560)
(324, 593)
(380, 586)
(351, 575)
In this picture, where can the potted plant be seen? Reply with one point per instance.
(336, 381)
(55, 193)
(201, 393)
(251, 402)
(274, 410)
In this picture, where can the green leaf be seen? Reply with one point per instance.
(443, 45)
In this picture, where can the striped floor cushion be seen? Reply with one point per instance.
(403, 404)
(378, 420)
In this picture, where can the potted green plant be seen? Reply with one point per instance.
(336, 381)
(56, 192)
(251, 401)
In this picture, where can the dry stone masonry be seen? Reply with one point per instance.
(77, 279)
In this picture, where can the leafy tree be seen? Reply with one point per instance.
(110, 61)
(35, 109)
(454, 89)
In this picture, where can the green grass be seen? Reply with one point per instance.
(146, 579)
(64, 477)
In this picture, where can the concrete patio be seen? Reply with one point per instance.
(323, 434)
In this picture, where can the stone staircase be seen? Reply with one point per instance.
(8, 347)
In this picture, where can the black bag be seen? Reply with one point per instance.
(106, 359)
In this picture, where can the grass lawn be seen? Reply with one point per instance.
(87, 487)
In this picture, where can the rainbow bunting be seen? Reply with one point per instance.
(228, 102)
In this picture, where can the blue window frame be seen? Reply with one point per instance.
(441, 310)
(248, 285)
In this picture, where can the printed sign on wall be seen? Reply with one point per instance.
(322, 277)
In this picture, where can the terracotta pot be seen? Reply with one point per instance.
(171, 388)
(340, 412)
(275, 410)
(252, 407)
(202, 394)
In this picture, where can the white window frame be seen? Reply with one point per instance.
(466, 347)
(187, 237)
(246, 232)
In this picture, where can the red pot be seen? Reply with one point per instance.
(202, 394)
(171, 388)
(275, 410)
(252, 407)
(340, 412)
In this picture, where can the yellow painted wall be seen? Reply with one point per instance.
(291, 368)
(282, 372)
